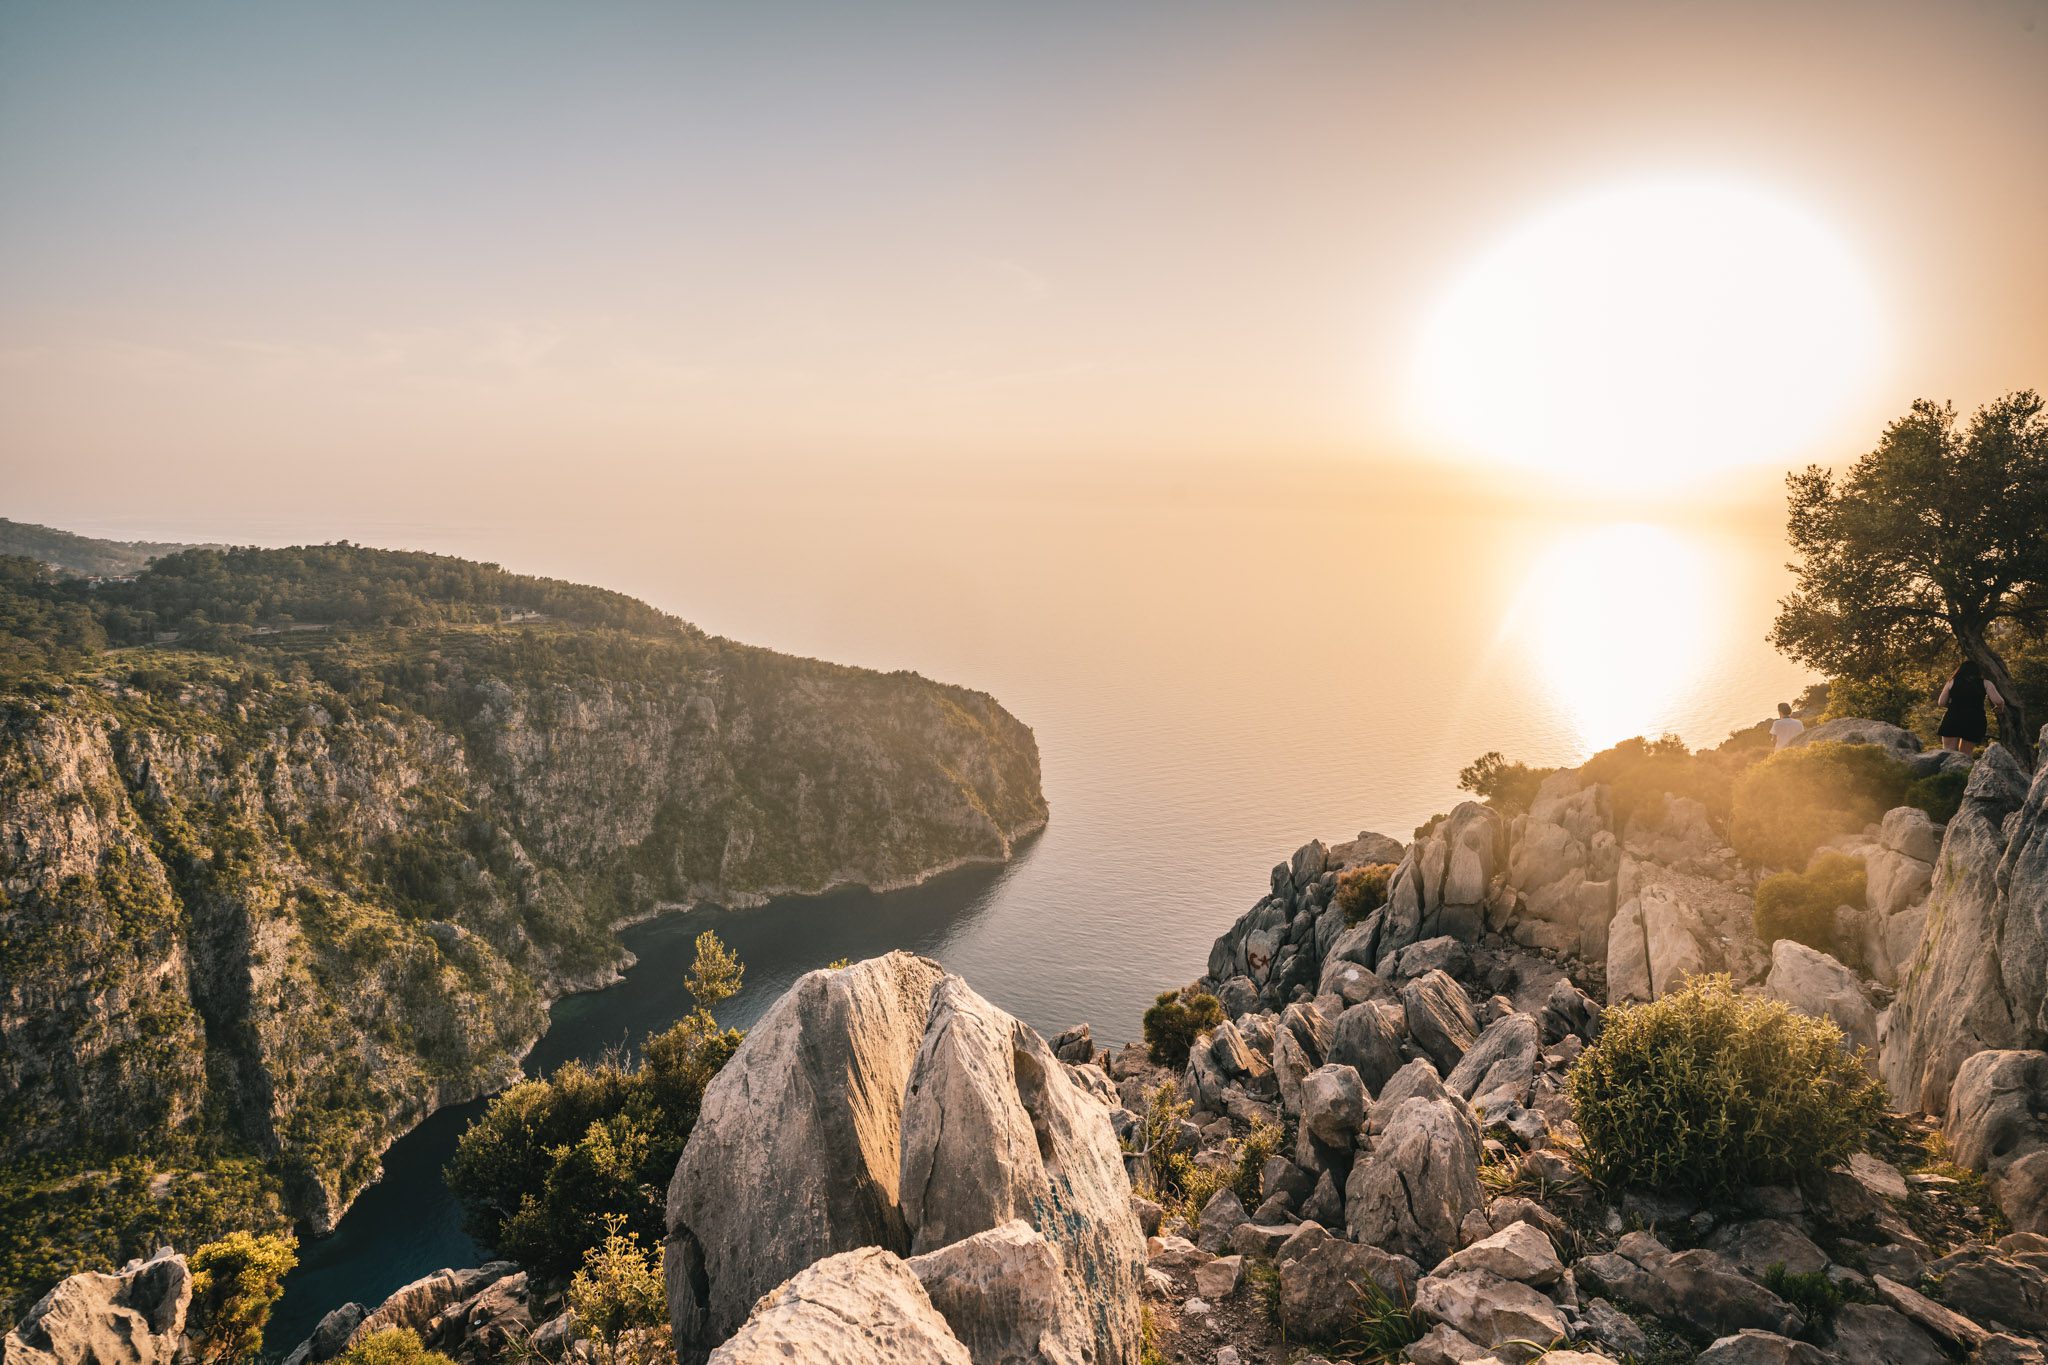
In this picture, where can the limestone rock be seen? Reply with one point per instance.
(1761, 1243)
(1368, 1039)
(1869, 1332)
(1979, 979)
(861, 1307)
(1517, 1252)
(1852, 730)
(1495, 1072)
(1815, 984)
(992, 1130)
(1489, 1310)
(1439, 1017)
(1333, 1104)
(1995, 1126)
(1003, 1293)
(797, 1151)
(134, 1317)
(1753, 1347)
(1412, 1193)
(1320, 1285)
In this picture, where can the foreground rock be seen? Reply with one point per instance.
(857, 1308)
(796, 1154)
(886, 1105)
(1979, 980)
(136, 1317)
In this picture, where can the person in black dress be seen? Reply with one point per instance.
(1962, 725)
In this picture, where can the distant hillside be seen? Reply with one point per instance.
(80, 554)
(296, 845)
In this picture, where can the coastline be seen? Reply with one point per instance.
(606, 978)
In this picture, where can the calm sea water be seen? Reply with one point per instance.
(1212, 681)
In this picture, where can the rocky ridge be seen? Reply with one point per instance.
(285, 909)
(971, 1202)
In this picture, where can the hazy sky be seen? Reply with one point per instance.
(521, 257)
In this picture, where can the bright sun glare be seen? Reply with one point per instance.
(1648, 335)
(1617, 621)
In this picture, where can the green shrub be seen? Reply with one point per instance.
(552, 1163)
(1362, 890)
(392, 1346)
(1507, 787)
(1175, 1020)
(235, 1283)
(1707, 1092)
(1798, 799)
(1801, 905)
(1890, 699)
(1817, 1297)
(1253, 1150)
(1177, 1182)
(1383, 1331)
(619, 1300)
(1941, 796)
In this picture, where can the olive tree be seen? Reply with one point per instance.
(1939, 534)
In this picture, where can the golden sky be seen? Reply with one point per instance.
(521, 257)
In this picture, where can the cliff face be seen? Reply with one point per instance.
(287, 905)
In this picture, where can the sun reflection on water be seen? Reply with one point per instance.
(1618, 622)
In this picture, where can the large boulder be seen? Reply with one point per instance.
(1439, 1018)
(1815, 984)
(993, 1130)
(887, 1105)
(1322, 1284)
(1503, 1315)
(796, 1153)
(1495, 1072)
(1445, 881)
(134, 1317)
(1368, 1039)
(1979, 980)
(1411, 1195)
(861, 1307)
(1006, 1296)
(1996, 1125)
(1333, 1105)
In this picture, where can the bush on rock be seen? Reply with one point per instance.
(1362, 890)
(1801, 905)
(1708, 1092)
(392, 1346)
(1797, 799)
(1175, 1020)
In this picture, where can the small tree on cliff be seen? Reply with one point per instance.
(1941, 532)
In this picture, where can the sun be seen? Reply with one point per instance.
(1649, 335)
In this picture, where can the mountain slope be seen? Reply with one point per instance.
(275, 899)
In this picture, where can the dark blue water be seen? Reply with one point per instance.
(408, 1224)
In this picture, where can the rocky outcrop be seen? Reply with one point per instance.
(1998, 1124)
(1979, 979)
(1007, 1297)
(135, 1317)
(886, 1105)
(797, 1152)
(1815, 984)
(246, 909)
(862, 1307)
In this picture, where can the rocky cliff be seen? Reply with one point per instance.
(273, 905)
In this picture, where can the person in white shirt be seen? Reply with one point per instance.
(1785, 727)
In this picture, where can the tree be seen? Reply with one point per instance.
(555, 1167)
(1939, 533)
(620, 1302)
(235, 1283)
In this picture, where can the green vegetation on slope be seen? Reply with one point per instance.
(281, 886)
(80, 554)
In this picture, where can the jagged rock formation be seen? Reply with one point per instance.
(885, 1105)
(1979, 980)
(286, 903)
(135, 1317)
